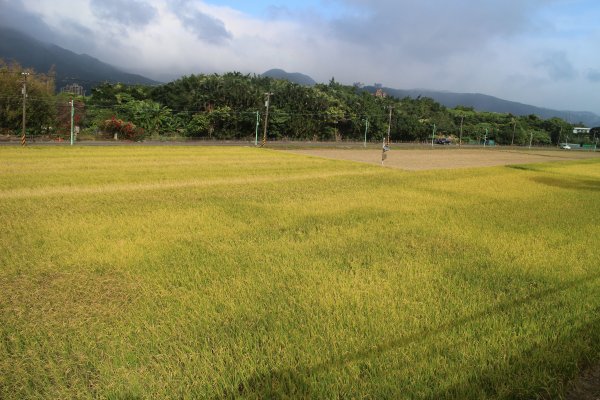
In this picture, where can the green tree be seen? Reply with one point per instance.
(557, 128)
(199, 125)
(40, 103)
(225, 106)
(146, 114)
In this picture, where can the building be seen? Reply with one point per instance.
(74, 89)
(581, 131)
(380, 93)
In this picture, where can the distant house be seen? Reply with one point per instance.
(74, 89)
(380, 93)
(581, 131)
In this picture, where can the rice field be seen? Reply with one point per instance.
(206, 272)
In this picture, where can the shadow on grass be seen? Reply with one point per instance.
(558, 180)
(560, 359)
(569, 183)
(295, 383)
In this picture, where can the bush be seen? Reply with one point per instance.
(124, 130)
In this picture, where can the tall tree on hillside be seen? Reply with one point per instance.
(40, 102)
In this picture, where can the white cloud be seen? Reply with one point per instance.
(132, 13)
(558, 66)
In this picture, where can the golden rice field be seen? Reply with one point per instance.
(207, 272)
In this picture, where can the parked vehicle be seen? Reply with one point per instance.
(565, 146)
(443, 141)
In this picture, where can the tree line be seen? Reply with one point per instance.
(232, 106)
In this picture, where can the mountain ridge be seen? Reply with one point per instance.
(70, 67)
(479, 101)
(294, 77)
(484, 102)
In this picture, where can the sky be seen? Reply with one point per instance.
(540, 52)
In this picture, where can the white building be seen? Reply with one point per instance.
(73, 88)
(579, 131)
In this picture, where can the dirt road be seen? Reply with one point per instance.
(448, 158)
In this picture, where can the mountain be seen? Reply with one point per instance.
(294, 77)
(482, 102)
(70, 67)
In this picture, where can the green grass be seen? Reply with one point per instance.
(193, 272)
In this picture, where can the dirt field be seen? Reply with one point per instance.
(587, 386)
(448, 158)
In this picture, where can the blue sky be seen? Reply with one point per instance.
(267, 8)
(541, 52)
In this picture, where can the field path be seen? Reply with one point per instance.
(45, 192)
(448, 158)
(587, 386)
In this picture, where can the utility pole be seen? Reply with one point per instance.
(512, 141)
(24, 91)
(389, 125)
(530, 139)
(366, 129)
(485, 137)
(462, 117)
(384, 149)
(433, 134)
(256, 134)
(559, 134)
(72, 117)
(267, 104)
